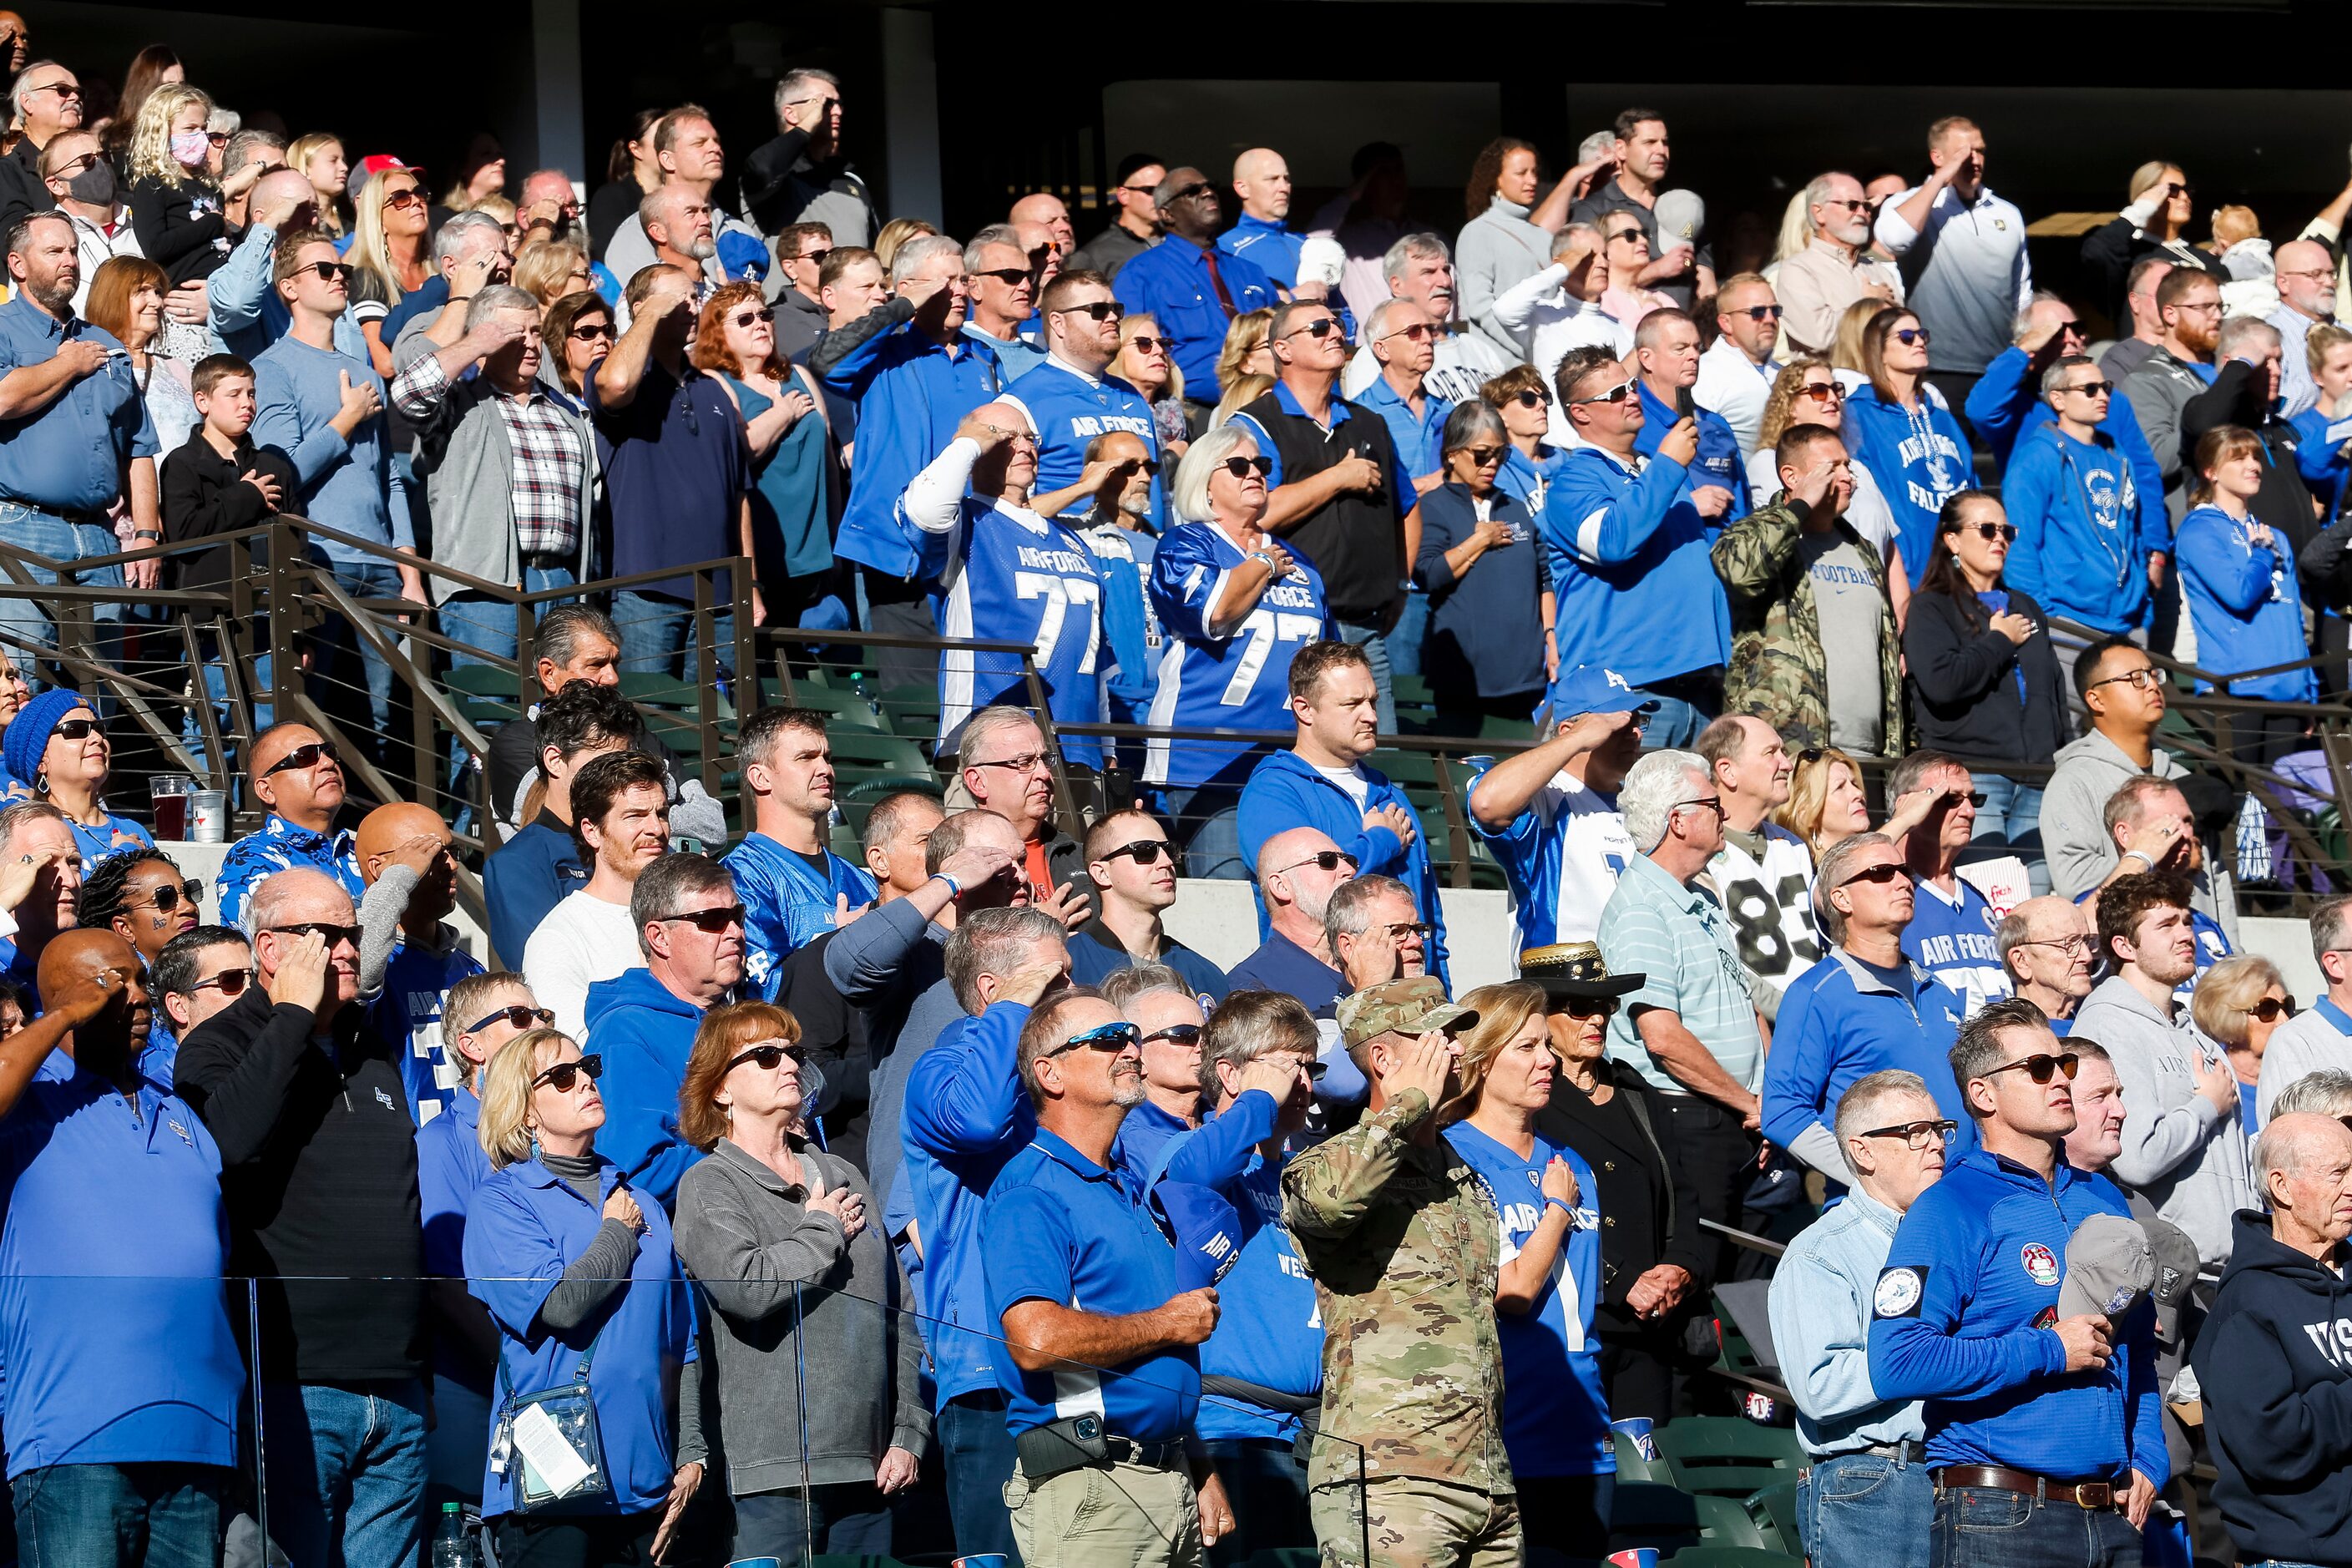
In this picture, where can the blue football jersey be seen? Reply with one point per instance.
(1241, 681)
(1014, 576)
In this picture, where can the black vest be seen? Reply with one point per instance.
(1357, 540)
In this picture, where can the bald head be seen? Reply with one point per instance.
(1297, 871)
(284, 191)
(387, 827)
(76, 961)
(413, 836)
(1048, 212)
(2290, 1145)
(1262, 184)
(2306, 278)
(2303, 1165)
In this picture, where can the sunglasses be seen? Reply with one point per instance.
(328, 272)
(1240, 466)
(2093, 388)
(75, 730)
(1320, 327)
(1917, 1134)
(590, 334)
(407, 198)
(1197, 189)
(1532, 399)
(520, 1017)
(1483, 456)
(813, 257)
(167, 898)
(333, 935)
(1885, 872)
(1616, 393)
(1010, 276)
(2270, 1009)
(1826, 391)
(712, 922)
(1626, 234)
(1851, 204)
(1991, 531)
(1324, 861)
(563, 1075)
(1183, 1033)
(300, 757)
(1102, 311)
(228, 982)
(1914, 336)
(1111, 1037)
(1146, 343)
(1588, 1007)
(217, 138)
(2041, 1065)
(1147, 851)
(767, 1055)
(763, 314)
(1417, 331)
(1757, 312)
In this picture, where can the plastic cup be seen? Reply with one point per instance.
(1635, 1557)
(168, 793)
(1638, 1430)
(208, 816)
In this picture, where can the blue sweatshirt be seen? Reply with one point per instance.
(2322, 461)
(645, 1035)
(1285, 791)
(1130, 676)
(346, 485)
(1921, 460)
(2006, 406)
(2085, 526)
(2244, 604)
(1636, 589)
(1270, 246)
(1957, 1315)
(913, 396)
(1841, 1021)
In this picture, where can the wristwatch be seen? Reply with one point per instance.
(155, 534)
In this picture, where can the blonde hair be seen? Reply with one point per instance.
(1796, 225)
(1244, 392)
(505, 1129)
(1853, 335)
(1248, 333)
(2233, 225)
(544, 268)
(368, 246)
(2148, 175)
(297, 158)
(1809, 795)
(1501, 1010)
(2224, 992)
(1129, 326)
(151, 137)
(895, 233)
(497, 206)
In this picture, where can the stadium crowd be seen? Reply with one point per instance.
(771, 1202)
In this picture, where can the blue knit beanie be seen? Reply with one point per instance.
(28, 733)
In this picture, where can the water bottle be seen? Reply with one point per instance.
(450, 1547)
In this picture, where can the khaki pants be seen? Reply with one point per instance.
(1415, 1523)
(1095, 1517)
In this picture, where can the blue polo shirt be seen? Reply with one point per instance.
(1172, 282)
(1843, 1020)
(1061, 1228)
(1281, 964)
(1419, 441)
(161, 1054)
(676, 465)
(407, 1014)
(525, 1227)
(279, 845)
(790, 899)
(1269, 246)
(68, 455)
(112, 1325)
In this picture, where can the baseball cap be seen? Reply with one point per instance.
(2110, 1269)
(1575, 969)
(1590, 689)
(1411, 1007)
(1205, 1227)
(2176, 1273)
(376, 163)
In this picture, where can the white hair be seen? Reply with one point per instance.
(450, 240)
(1400, 254)
(1653, 786)
(923, 248)
(793, 81)
(1203, 457)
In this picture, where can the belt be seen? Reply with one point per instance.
(1905, 1453)
(1166, 1456)
(2095, 1495)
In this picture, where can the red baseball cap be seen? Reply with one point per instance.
(376, 163)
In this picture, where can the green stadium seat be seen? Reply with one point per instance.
(1725, 1456)
(1645, 1513)
(1774, 1509)
(876, 750)
(480, 680)
(1712, 1556)
(842, 707)
(1632, 1468)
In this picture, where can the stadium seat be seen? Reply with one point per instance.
(1632, 1467)
(1712, 1556)
(1774, 1509)
(1644, 1513)
(1725, 1456)
(841, 705)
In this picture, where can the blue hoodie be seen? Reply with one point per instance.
(1630, 567)
(1839, 1021)
(912, 396)
(2084, 516)
(645, 1035)
(1921, 460)
(2006, 406)
(2322, 462)
(2245, 606)
(1285, 791)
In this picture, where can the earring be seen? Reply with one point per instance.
(41, 781)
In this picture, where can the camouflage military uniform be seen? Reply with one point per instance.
(1778, 670)
(1404, 1246)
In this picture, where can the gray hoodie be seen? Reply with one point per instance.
(2187, 1155)
(2074, 839)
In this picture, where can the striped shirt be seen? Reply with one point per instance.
(1679, 940)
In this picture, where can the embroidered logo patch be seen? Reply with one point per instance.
(2041, 1265)
(384, 1099)
(1898, 1294)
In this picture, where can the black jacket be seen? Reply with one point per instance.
(2112, 249)
(777, 187)
(319, 1175)
(1649, 1209)
(205, 493)
(1964, 682)
(173, 234)
(2276, 1363)
(1356, 540)
(22, 192)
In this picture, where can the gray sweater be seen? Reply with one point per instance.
(1497, 249)
(2186, 1154)
(787, 1292)
(2074, 840)
(2305, 1044)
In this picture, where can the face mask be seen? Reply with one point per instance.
(189, 149)
(94, 185)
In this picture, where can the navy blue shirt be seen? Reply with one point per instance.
(1096, 954)
(1486, 627)
(1281, 964)
(525, 877)
(676, 467)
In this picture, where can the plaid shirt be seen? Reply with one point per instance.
(548, 462)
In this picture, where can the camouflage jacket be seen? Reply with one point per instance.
(1778, 670)
(1404, 1246)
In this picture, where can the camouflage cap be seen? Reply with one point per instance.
(1411, 1006)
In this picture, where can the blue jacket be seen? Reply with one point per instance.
(1920, 461)
(2246, 605)
(912, 396)
(1169, 283)
(1129, 625)
(2322, 461)
(525, 877)
(1974, 1267)
(2086, 519)
(1284, 792)
(1270, 247)
(645, 1035)
(966, 1117)
(1839, 1023)
(1636, 586)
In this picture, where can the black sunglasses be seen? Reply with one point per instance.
(1533, 399)
(1010, 276)
(814, 257)
(1197, 189)
(1147, 852)
(2093, 388)
(1989, 530)
(230, 982)
(300, 757)
(1588, 1006)
(1885, 871)
(1183, 1033)
(1757, 312)
(712, 922)
(520, 1017)
(331, 934)
(2270, 1009)
(1240, 466)
(75, 730)
(1324, 861)
(2041, 1065)
(167, 897)
(1320, 327)
(1111, 1037)
(593, 330)
(1918, 335)
(1146, 343)
(328, 272)
(1628, 234)
(1101, 311)
(563, 1074)
(767, 1056)
(1917, 1133)
(765, 314)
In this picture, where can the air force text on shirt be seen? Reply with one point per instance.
(1959, 947)
(1087, 426)
(1939, 448)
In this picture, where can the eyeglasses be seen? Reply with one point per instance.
(520, 1017)
(1757, 312)
(591, 333)
(1112, 1039)
(1588, 1007)
(1181, 1034)
(2041, 1065)
(1851, 204)
(767, 1055)
(1147, 852)
(713, 921)
(1026, 762)
(333, 935)
(2145, 678)
(1400, 930)
(2317, 274)
(1918, 336)
(1322, 860)
(1417, 331)
(2270, 1009)
(1918, 1133)
(563, 1075)
(1197, 188)
(765, 314)
(1483, 456)
(1101, 311)
(300, 757)
(1826, 391)
(1010, 276)
(62, 89)
(1712, 803)
(1240, 466)
(75, 730)
(228, 982)
(1884, 873)
(328, 272)
(1989, 530)
(404, 198)
(2072, 946)
(2201, 307)
(2093, 388)
(1614, 395)
(1533, 399)
(1320, 327)
(167, 897)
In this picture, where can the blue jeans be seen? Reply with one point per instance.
(346, 1471)
(46, 533)
(656, 629)
(1412, 631)
(1376, 648)
(1676, 724)
(1865, 1510)
(848, 1521)
(489, 624)
(1268, 1490)
(160, 1516)
(2011, 814)
(1979, 1527)
(1208, 823)
(363, 579)
(976, 1449)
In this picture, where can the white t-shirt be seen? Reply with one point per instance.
(1770, 901)
(1593, 848)
(1352, 779)
(582, 941)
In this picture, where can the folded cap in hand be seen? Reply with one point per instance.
(2110, 1269)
